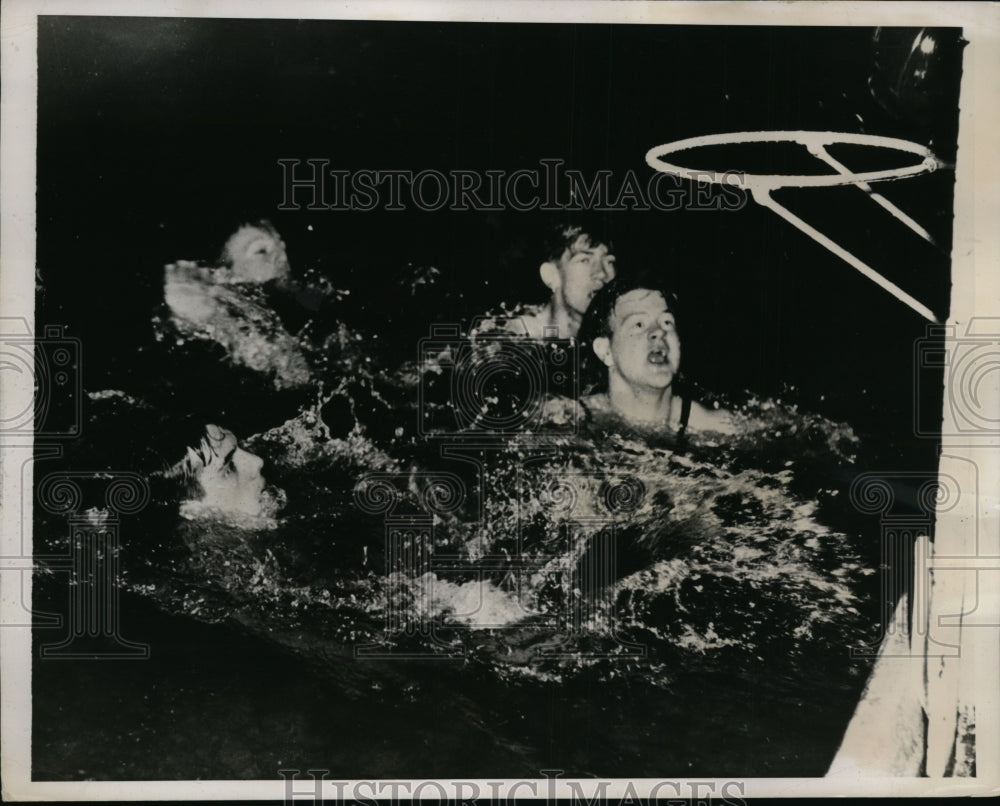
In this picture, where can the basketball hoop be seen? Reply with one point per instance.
(761, 186)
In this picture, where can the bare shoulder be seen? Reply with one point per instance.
(561, 411)
(529, 320)
(523, 320)
(597, 403)
(719, 420)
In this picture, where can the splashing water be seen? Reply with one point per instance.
(595, 542)
(535, 561)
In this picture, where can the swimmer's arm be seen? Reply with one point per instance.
(720, 421)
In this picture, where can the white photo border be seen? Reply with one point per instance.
(975, 293)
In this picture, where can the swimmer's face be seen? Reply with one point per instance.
(256, 255)
(230, 477)
(644, 348)
(579, 273)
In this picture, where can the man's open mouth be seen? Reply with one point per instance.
(658, 357)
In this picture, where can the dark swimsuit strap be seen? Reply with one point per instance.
(685, 416)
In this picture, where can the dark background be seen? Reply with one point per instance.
(157, 137)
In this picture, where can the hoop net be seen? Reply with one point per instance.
(762, 185)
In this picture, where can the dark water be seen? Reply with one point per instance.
(597, 601)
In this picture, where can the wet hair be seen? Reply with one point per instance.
(127, 434)
(226, 257)
(597, 321)
(561, 235)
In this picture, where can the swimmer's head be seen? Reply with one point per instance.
(223, 477)
(255, 253)
(578, 263)
(630, 330)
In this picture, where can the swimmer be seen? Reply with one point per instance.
(577, 265)
(222, 478)
(631, 328)
(229, 305)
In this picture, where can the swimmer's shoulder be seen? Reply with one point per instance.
(533, 321)
(569, 411)
(702, 418)
(560, 411)
(527, 321)
(596, 404)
